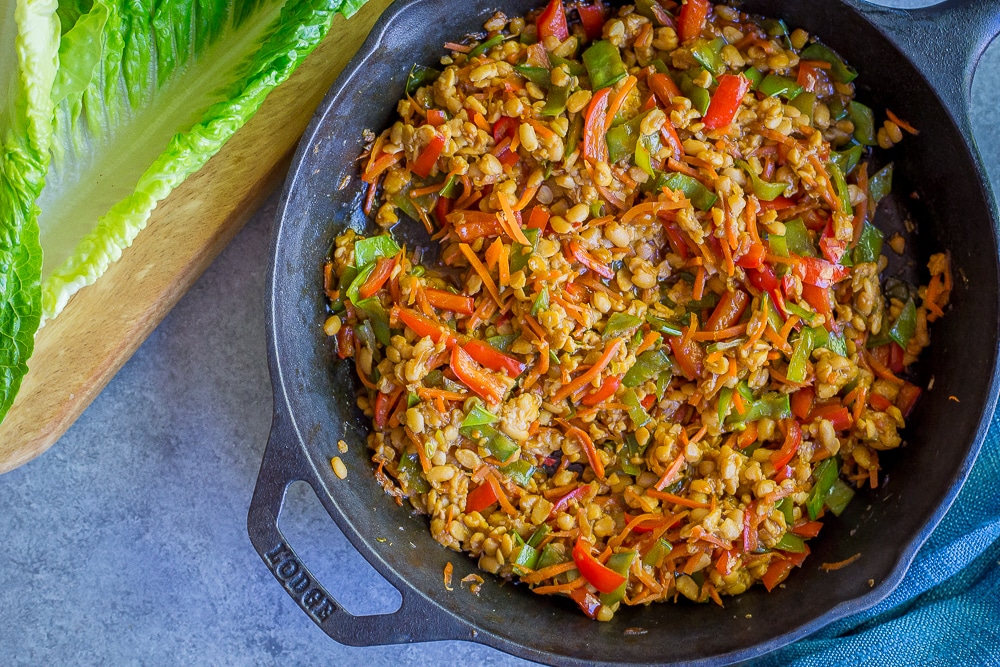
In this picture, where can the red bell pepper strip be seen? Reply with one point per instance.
(663, 87)
(345, 342)
(589, 603)
(480, 498)
(423, 326)
(456, 303)
(753, 257)
(593, 18)
(505, 155)
(425, 162)
(602, 393)
(819, 272)
(552, 21)
(384, 403)
(596, 573)
(793, 438)
(831, 248)
(472, 225)
(485, 384)
(669, 135)
(838, 415)
(383, 269)
(539, 219)
(763, 278)
(503, 128)
(590, 261)
(807, 528)
(750, 537)
(442, 207)
(436, 117)
(907, 398)
(563, 502)
(692, 19)
(820, 298)
(897, 358)
(689, 356)
(493, 358)
(802, 402)
(776, 204)
(726, 100)
(595, 144)
(879, 402)
(777, 571)
(728, 311)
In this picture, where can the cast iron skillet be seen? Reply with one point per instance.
(919, 64)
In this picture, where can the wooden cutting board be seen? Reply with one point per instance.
(77, 353)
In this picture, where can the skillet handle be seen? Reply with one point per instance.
(945, 42)
(417, 620)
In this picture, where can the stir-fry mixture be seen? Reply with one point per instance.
(653, 351)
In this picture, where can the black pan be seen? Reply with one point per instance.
(919, 64)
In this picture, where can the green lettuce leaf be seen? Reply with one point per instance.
(29, 34)
(147, 92)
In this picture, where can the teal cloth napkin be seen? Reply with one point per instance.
(946, 611)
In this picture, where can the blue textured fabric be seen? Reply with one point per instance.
(946, 611)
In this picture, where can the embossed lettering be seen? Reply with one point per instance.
(288, 569)
(277, 553)
(324, 610)
(312, 598)
(299, 584)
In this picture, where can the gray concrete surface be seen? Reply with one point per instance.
(126, 543)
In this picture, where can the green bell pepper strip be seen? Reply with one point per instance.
(540, 533)
(880, 185)
(660, 66)
(648, 365)
(420, 76)
(622, 139)
(629, 451)
(527, 557)
(791, 543)
(574, 134)
(807, 315)
(725, 403)
(832, 341)
(480, 49)
(709, 55)
(905, 326)
(540, 76)
(368, 250)
(636, 412)
(499, 444)
(551, 555)
(775, 86)
(838, 111)
(800, 355)
(764, 190)
(377, 316)
(700, 98)
(620, 324)
(693, 189)
(520, 471)
(412, 400)
(786, 506)
(604, 64)
(777, 28)
(409, 471)
(841, 71)
(642, 159)
(754, 76)
(869, 245)
(798, 239)
(838, 497)
(774, 317)
(478, 416)
(541, 302)
(847, 159)
(575, 67)
(620, 563)
(778, 245)
(805, 102)
(450, 187)
(503, 342)
(864, 123)
(662, 326)
(555, 102)
(825, 475)
(657, 553)
(840, 183)
(772, 405)
(520, 254)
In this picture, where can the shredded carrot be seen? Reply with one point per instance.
(902, 123)
(526, 197)
(492, 254)
(738, 404)
(478, 267)
(651, 208)
(750, 219)
(775, 339)
(501, 496)
(830, 567)
(427, 190)
(617, 99)
(684, 169)
(448, 570)
(481, 123)
(548, 572)
(540, 128)
(430, 392)
(591, 374)
(425, 463)
(511, 223)
(670, 474)
(784, 380)
(560, 588)
(787, 329)
(698, 290)
(675, 499)
(369, 199)
(504, 265)
(482, 313)
(774, 135)
(721, 334)
(830, 193)
(881, 370)
(381, 164)
(859, 403)
(647, 342)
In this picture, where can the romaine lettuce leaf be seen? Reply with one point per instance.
(147, 92)
(29, 34)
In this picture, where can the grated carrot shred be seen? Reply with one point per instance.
(478, 267)
(617, 99)
(902, 123)
(591, 373)
(511, 225)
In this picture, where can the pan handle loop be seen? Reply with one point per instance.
(945, 41)
(416, 620)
